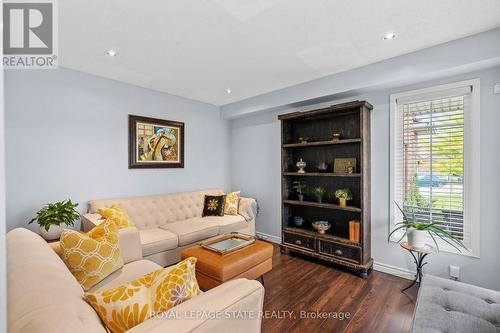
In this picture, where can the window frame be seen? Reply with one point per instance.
(472, 148)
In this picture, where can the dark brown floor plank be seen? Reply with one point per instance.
(299, 285)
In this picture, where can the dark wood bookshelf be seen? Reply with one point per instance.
(352, 121)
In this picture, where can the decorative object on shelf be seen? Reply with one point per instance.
(298, 221)
(322, 166)
(417, 231)
(336, 136)
(54, 216)
(321, 226)
(354, 230)
(155, 143)
(350, 168)
(319, 192)
(301, 165)
(299, 187)
(418, 259)
(343, 194)
(341, 165)
(304, 139)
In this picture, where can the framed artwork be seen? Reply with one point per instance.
(155, 143)
(342, 165)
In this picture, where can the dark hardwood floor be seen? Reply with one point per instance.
(299, 290)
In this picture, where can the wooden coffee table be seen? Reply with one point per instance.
(213, 269)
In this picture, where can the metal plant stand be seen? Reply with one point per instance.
(418, 255)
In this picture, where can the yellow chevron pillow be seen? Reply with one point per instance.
(118, 215)
(232, 203)
(130, 304)
(91, 256)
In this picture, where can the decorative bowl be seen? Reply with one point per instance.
(321, 226)
(336, 136)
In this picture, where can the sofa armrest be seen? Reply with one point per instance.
(248, 208)
(90, 221)
(235, 306)
(130, 245)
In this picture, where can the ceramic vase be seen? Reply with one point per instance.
(417, 238)
(342, 202)
(53, 233)
(298, 221)
(301, 197)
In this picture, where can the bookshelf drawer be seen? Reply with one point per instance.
(340, 251)
(304, 242)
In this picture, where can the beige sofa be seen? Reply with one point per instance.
(44, 297)
(169, 223)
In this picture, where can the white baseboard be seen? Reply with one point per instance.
(267, 237)
(393, 270)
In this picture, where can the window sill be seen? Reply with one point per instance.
(443, 246)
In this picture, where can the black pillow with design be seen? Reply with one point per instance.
(214, 205)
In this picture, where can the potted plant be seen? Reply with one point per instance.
(53, 215)
(299, 187)
(343, 194)
(319, 192)
(417, 231)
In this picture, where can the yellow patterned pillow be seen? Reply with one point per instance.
(118, 215)
(92, 256)
(232, 202)
(130, 304)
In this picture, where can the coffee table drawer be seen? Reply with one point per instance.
(341, 251)
(304, 242)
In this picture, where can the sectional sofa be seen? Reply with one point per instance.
(168, 223)
(44, 297)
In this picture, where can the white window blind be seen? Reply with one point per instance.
(429, 177)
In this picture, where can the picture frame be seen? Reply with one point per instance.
(155, 143)
(341, 165)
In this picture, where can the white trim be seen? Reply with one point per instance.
(393, 270)
(471, 155)
(268, 237)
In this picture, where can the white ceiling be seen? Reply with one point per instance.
(199, 49)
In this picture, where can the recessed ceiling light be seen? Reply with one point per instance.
(111, 53)
(389, 35)
(228, 91)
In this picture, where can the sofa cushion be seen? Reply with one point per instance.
(43, 296)
(192, 230)
(449, 306)
(117, 215)
(213, 205)
(228, 223)
(156, 240)
(92, 256)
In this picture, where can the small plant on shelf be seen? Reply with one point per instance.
(417, 231)
(53, 215)
(319, 192)
(299, 187)
(343, 194)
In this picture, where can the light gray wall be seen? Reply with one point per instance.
(67, 137)
(255, 165)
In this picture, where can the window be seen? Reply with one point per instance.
(435, 159)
